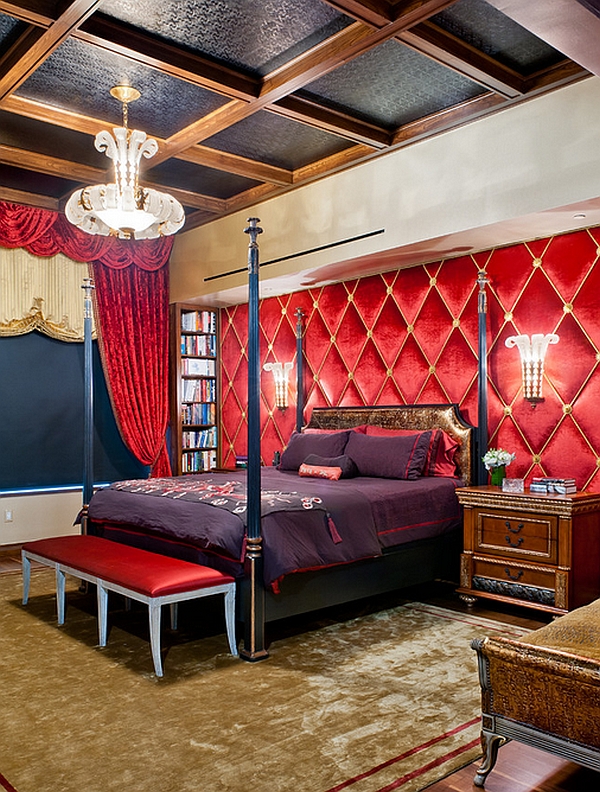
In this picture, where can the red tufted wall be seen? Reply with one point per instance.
(411, 336)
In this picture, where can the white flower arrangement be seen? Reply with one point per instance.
(497, 457)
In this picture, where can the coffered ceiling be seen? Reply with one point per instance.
(250, 98)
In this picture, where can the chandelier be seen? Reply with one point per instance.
(124, 209)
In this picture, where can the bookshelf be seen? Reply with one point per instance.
(194, 388)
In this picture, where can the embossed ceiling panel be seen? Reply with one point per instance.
(397, 86)
(277, 141)
(256, 35)
(197, 178)
(487, 29)
(10, 29)
(268, 94)
(79, 77)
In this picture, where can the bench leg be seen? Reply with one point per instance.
(230, 619)
(60, 594)
(173, 611)
(154, 612)
(102, 594)
(26, 567)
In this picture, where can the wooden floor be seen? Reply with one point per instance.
(519, 768)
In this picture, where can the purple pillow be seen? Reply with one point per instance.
(301, 445)
(389, 457)
(344, 462)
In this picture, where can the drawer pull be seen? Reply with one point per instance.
(518, 543)
(516, 530)
(514, 577)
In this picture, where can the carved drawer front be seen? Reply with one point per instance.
(534, 537)
(511, 572)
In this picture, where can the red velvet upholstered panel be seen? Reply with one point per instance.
(411, 336)
(147, 573)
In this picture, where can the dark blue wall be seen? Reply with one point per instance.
(41, 417)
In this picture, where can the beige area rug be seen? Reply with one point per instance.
(385, 701)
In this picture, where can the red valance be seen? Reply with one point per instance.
(133, 314)
(46, 233)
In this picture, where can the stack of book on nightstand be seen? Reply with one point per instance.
(560, 486)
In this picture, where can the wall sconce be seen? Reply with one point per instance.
(533, 352)
(280, 375)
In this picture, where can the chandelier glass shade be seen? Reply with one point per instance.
(123, 208)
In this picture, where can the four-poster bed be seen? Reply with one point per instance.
(392, 538)
(352, 566)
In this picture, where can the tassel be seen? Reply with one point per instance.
(333, 530)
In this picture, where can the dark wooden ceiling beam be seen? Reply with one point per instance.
(372, 12)
(114, 36)
(29, 199)
(200, 155)
(39, 44)
(447, 119)
(331, 164)
(53, 166)
(233, 163)
(443, 47)
(86, 174)
(315, 114)
(189, 198)
(34, 12)
(555, 77)
(49, 114)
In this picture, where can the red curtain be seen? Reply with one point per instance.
(132, 300)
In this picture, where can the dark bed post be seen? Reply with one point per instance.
(88, 404)
(299, 370)
(254, 594)
(482, 403)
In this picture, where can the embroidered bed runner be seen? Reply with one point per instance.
(230, 495)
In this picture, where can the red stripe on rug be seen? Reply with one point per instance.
(6, 785)
(436, 763)
(411, 752)
(464, 619)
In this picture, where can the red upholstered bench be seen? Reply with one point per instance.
(141, 575)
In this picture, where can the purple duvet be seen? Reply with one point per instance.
(317, 523)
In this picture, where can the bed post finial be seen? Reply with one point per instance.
(254, 593)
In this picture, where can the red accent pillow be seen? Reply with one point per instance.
(444, 461)
(320, 471)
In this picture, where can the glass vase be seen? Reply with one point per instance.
(498, 474)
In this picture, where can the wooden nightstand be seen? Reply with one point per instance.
(541, 551)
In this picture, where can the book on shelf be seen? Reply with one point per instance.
(199, 321)
(198, 461)
(199, 367)
(204, 390)
(204, 345)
